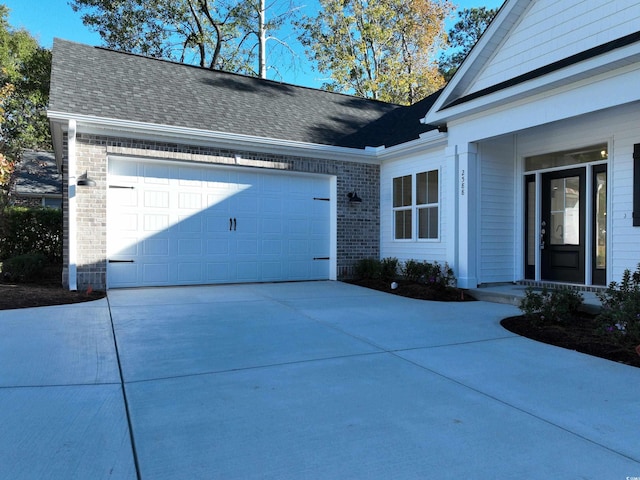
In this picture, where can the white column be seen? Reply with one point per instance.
(72, 205)
(450, 210)
(468, 200)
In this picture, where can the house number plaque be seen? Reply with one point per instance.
(462, 183)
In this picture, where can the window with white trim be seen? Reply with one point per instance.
(420, 203)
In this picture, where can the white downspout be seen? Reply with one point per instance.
(72, 205)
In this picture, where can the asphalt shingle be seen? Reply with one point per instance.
(108, 84)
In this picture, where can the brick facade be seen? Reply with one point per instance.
(358, 224)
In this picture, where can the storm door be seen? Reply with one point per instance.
(562, 227)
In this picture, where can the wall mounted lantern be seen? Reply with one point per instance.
(353, 197)
(85, 181)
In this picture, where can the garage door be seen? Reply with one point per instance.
(176, 224)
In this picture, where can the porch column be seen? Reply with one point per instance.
(468, 205)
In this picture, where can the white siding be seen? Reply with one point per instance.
(497, 211)
(621, 128)
(430, 250)
(552, 30)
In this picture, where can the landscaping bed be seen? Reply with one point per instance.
(581, 334)
(26, 295)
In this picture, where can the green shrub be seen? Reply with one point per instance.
(551, 305)
(439, 274)
(413, 270)
(389, 268)
(620, 314)
(24, 268)
(26, 230)
(367, 268)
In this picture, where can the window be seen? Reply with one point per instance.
(423, 201)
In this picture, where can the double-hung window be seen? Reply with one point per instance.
(419, 205)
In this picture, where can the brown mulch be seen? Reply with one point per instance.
(581, 334)
(416, 290)
(26, 295)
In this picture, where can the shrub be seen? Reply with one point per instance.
(413, 270)
(24, 268)
(442, 275)
(620, 314)
(551, 305)
(389, 268)
(26, 230)
(367, 268)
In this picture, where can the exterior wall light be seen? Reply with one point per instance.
(353, 197)
(85, 181)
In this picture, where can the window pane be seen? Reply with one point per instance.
(403, 224)
(397, 192)
(594, 153)
(428, 222)
(402, 191)
(601, 220)
(421, 188)
(406, 191)
(433, 187)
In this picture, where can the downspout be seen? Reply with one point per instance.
(72, 205)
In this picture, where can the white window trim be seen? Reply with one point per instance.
(414, 208)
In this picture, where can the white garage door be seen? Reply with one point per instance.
(175, 224)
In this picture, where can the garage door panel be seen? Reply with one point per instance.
(155, 247)
(184, 225)
(155, 274)
(190, 273)
(156, 223)
(190, 201)
(125, 274)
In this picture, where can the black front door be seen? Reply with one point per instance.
(563, 226)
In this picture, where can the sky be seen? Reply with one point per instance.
(46, 19)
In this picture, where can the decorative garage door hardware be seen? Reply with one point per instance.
(323, 199)
(322, 258)
(121, 261)
(120, 186)
(232, 224)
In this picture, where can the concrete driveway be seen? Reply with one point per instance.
(315, 380)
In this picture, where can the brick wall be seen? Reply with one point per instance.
(358, 229)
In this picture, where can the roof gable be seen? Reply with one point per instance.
(104, 83)
(531, 39)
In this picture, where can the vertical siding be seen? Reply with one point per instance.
(552, 30)
(497, 212)
(430, 250)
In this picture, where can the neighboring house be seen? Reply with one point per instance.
(521, 169)
(37, 181)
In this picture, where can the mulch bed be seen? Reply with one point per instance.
(580, 335)
(416, 290)
(26, 295)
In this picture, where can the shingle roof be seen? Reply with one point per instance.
(37, 174)
(104, 83)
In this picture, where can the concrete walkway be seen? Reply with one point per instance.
(315, 380)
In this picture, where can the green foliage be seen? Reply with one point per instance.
(27, 230)
(367, 268)
(25, 69)
(381, 49)
(24, 268)
(413, 270)
(472, 22)
(620, 314)
(434, 274)
(556, 305)
(389, 268)
(222, 35)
